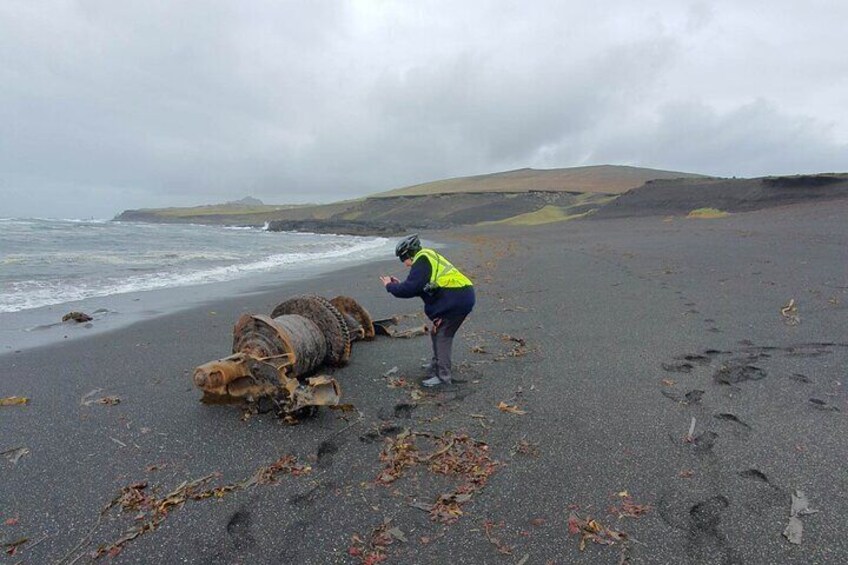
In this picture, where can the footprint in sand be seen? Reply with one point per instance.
(404, 410)
(732, 418)
(693, 396)
(798, 377)
(238, 528)
(759, 494)
(325, 454)
(755, 475)
(705, 442)
(820, 404)
(690, 398)
(695, 358)
(678, 367)
(738, 373)
(705, 535)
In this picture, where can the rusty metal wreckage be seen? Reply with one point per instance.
(274, 356)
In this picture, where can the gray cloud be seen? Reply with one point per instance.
(750, 140)
(109, 105)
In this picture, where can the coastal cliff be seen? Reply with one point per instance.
(512, 200)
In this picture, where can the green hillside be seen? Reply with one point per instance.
(522, 197)
(607, 179)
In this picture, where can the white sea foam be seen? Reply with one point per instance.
(35, 293)
(70, 220)
(83, 221)
(148, 259)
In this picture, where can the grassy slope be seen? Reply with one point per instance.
(217, 210)
(255, 215)
(609, 179)
(706, 213)
(594, 184)
(549, 214)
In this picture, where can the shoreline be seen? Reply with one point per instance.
(43, 326)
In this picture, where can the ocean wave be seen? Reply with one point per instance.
(17, 222)
(69, 220)
(84, 221)
(146, 258)
(34, 294)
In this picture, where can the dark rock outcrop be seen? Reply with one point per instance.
(670, 197)
(342, 227)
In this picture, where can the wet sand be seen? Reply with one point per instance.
(631, 328)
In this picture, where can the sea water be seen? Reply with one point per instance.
(49, 266)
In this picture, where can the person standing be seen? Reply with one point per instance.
(448, 297)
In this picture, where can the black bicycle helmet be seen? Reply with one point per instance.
(408, 247)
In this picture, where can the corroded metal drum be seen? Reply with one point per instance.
(328, 319)
(288, 335)
(275, 356)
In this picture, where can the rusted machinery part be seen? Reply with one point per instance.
(297, 337)
(352, 309)
(241, 375)
(327, 317)
(214, 376)
(315, 391)
(259, 336)
(356, 331)
(310, 347)
(384, 326)
(407, 333)
(388, 327)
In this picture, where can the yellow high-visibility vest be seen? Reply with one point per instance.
(442, 273)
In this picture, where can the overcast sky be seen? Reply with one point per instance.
(107, 105)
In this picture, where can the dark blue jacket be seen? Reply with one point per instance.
(444, 303)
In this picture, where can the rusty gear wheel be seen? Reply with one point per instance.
(351, 308)
(329, 320)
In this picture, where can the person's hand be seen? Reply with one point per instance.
(386, 280)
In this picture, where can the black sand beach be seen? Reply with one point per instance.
(611, 335)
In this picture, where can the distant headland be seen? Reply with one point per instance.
(519, 197)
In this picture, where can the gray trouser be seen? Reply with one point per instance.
(442, 338)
